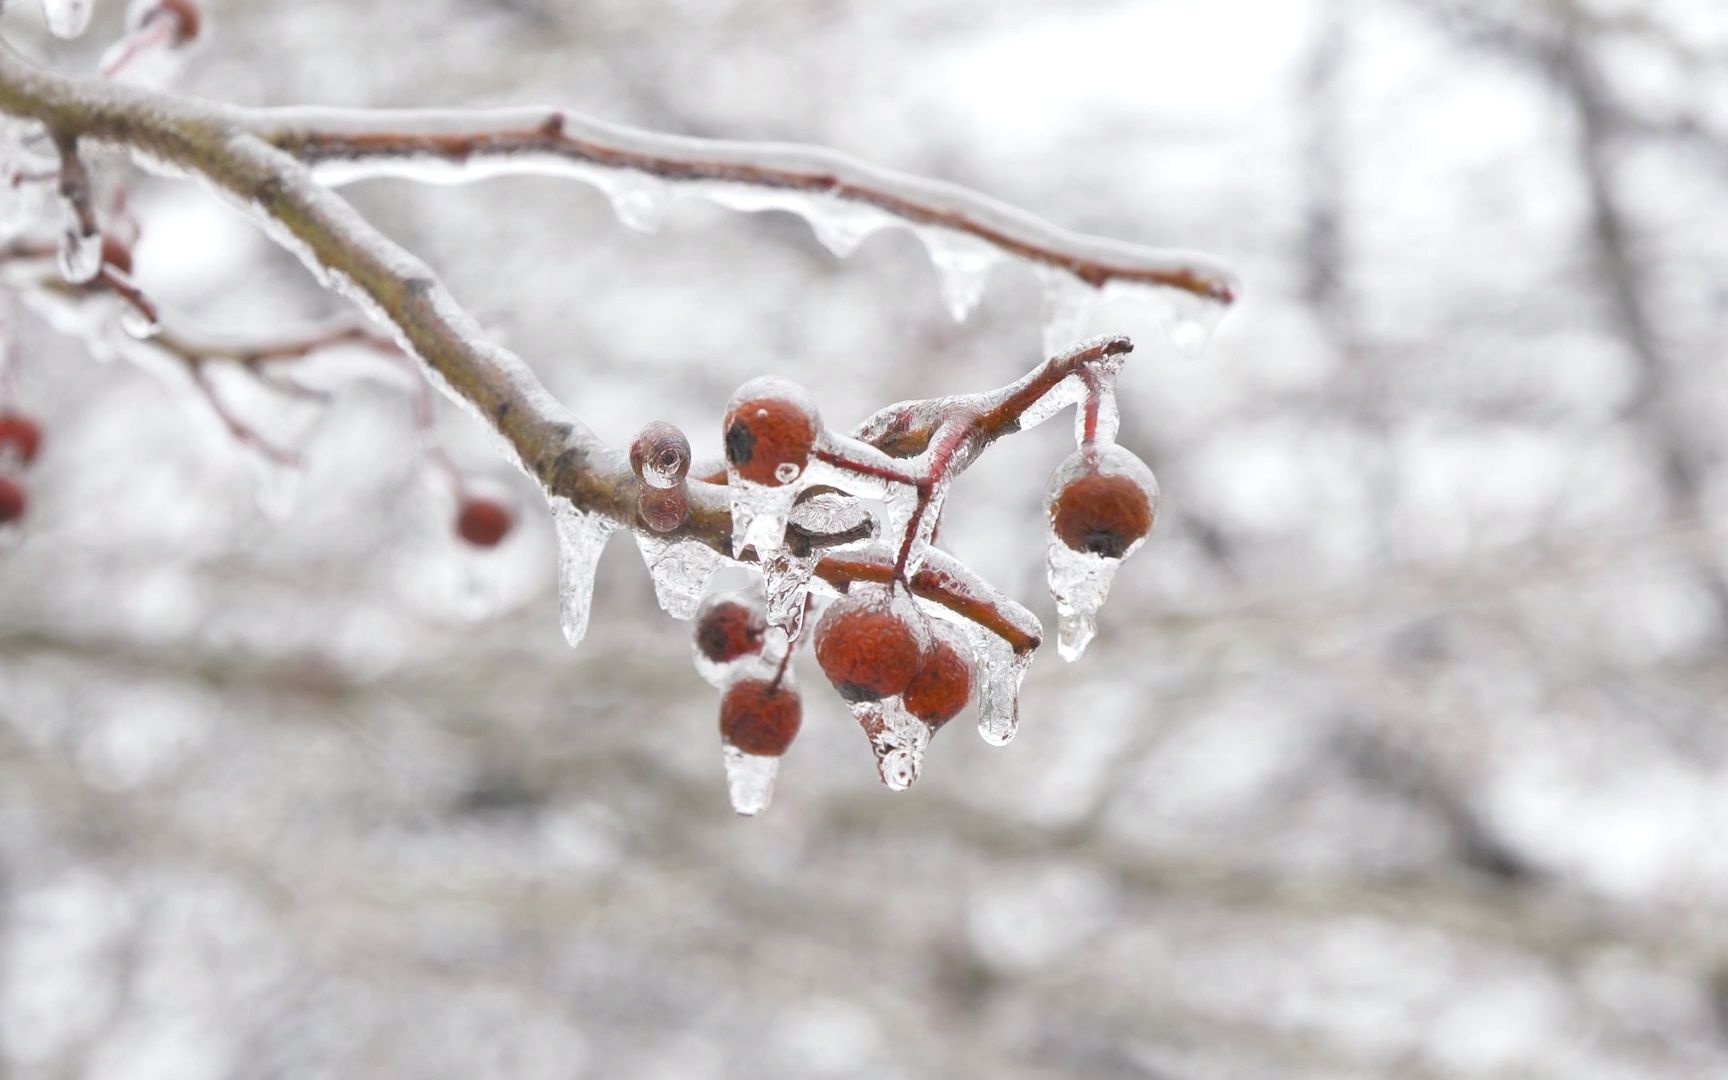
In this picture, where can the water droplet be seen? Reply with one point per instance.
(749, 779)
(581, 538)
(80, 252)
(786, 472)
(136, 323)
(998, 671)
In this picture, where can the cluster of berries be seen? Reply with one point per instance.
(893, 661)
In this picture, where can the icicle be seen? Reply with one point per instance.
(749, 779)
(67, 18)
(681, 570)
(897, 738)
(581, 538)
(1188, 319)
(786, 578)
(963, 265)
(840, 225)
(759, 513)
(639, 199)
(1068, 304)
(80, 252)
(998, 671)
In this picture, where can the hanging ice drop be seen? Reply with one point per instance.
(749, 779)
(581, 538)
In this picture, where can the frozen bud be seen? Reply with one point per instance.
(943, 685)
(770, 430)
(660, 455)
(483, 521)
(12, 500)
(1102, 500)
(20, 438)
(730, 627)
(663, 509)
(760, 717)
(872, 642)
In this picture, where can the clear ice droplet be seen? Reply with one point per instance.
(759, 514)
(80, 253)
(749, 779)
(67, 18)
(581, 538)
(1079, 583)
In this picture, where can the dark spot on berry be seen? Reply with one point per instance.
(740, 444)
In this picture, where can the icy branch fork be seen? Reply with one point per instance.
(251, 157)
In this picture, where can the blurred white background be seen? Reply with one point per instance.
(1403, 749)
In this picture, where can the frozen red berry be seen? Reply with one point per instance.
(483, 521)
(729, 628)
(1103, 501)
(12, 500)
(871, 643)
(760, 717)
(20, 437)
(943, 685)
(770, 431)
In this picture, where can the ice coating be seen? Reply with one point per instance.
(1080, 579)
(80, 254)
(767, 654)
(681, 570)
(581, 538)
(67, 18)
(786, 579)
(749, 779)
(843, 199)
(897, 738)
(759, 514)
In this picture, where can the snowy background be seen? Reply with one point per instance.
(1403, 748)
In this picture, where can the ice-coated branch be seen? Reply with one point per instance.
(347, 253)
(454, 146)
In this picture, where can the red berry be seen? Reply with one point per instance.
(728, 629)
(760, 717)
(770, 430)
(20, 437)
(12, 500)
(660, 455)
(871, 643)
(483, 522)
(943, 687)
(1103, 501)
